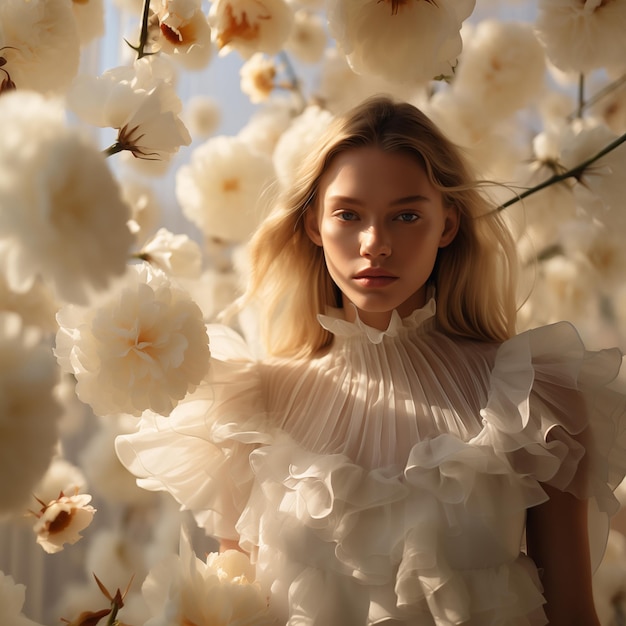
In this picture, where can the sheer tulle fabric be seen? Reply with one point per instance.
(391, 475)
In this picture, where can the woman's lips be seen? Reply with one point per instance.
(374, 277)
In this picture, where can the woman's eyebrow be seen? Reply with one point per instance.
(398, 201)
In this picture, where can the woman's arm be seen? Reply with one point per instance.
(557, 540)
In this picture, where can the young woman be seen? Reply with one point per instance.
(401, 457)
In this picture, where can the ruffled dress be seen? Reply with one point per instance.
(387, 480)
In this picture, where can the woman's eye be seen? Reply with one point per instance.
(407, 217)
(346, 216)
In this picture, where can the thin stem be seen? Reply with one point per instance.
(575, 172)
(113, 149)
(143, 36)
(295, 84)
(581, 96)
(605, 91)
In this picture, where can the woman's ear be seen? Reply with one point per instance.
(312, 227)
(451, 226)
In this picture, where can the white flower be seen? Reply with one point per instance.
(583, 35)
(307, 40)
(250, 26)
(265, 126)
(61, 214)
(214, 291)
(109, 477)
(41, 44)
(141, 106)
(61, 476)
(29, 411)
(89, 16)
(143, 347)
(502, 67)
(409, 41)
(601, 186)
(185, 32)
(36, 306)
(220, 188)
(61, 520)
(219, 592)
(145, 210)
(176, 255)
(12, 597)
(297, 140)
(341, 88)
(258, 76)
(202, 115)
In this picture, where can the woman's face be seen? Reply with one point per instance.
(380, 223)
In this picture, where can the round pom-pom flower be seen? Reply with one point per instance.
(144, 347)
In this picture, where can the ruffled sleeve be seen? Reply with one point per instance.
(554, 416)
(200, 453)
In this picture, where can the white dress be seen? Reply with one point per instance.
(387, 481)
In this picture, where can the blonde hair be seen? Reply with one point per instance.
(474, 276)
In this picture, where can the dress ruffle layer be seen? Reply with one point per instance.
(432, 539)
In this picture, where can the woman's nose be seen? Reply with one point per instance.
(375, 243)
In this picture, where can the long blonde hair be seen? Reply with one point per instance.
(474, 276)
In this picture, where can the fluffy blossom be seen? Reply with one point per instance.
(502, 67)
(61, 520)
(143, 107)
(29, 411)
(267, 124)
(12, 599)
(599, 187)
(258, 76)
(250, 26)
(219, 189)
(41, 43)
(89, 16)
(297, 140)
(219, 592)
(583, 35)
(202, 115)
(61, 214)
(185, 32)
(61, 476)
(144, 347)
(403, 40)
(36, 306)
(307, 40)
(145, 210)
(176, 255)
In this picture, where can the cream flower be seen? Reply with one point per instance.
(408, 41)
(41, 43)
(202, 115)
(600, 187)
(61, 476)
(12, 597)
(89, 16)
(502, 67)
(297, 140)
(185, 32)
(583, 35)
(341, 88)
(61, 214)
(61, 520)
(219, 592)
(110, 479)
(36, 306)
(145, 209)
(258, 77)
(29, 411)
(220, 188)
(144, 109)
(143, 347)
(250, 26)
(265, 126)
(176, 255)
(308, 39)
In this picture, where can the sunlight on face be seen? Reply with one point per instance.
(380, 223)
